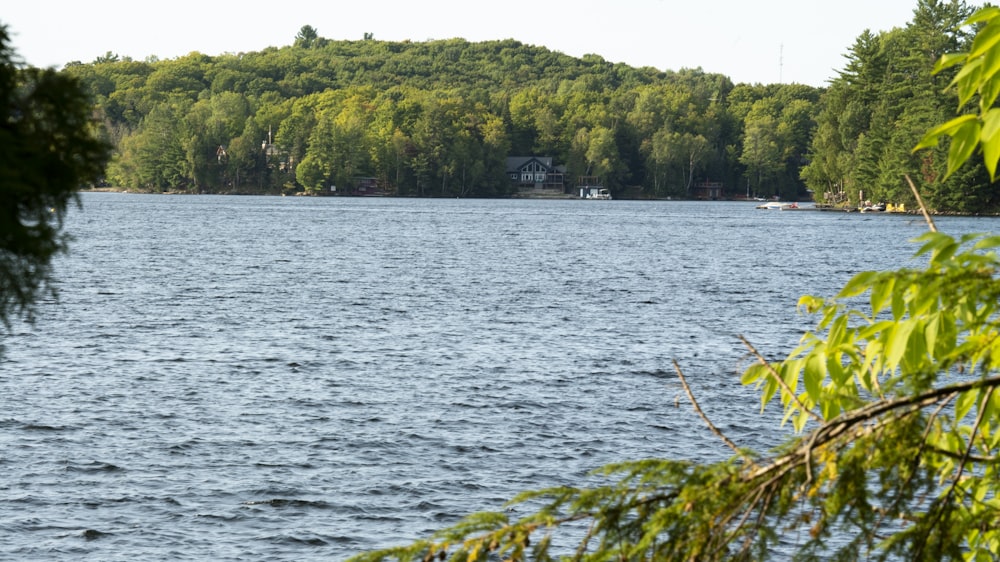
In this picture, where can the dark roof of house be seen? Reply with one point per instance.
(515, 163)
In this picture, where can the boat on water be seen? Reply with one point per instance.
(778, 206)
(595, 193)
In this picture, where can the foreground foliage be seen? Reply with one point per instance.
(894, 400)
(49, 151)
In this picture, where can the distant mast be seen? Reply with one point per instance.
(781, 63)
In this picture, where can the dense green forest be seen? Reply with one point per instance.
(439, 118)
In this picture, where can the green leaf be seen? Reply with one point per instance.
(896, 344)
(858, 284)
(992, 408)
(915, 353)
(770, 388)
(986, 39)
(838, 332)
(988, 83)
(930, 332)
(984, 14)
(989, 91)
(963, 405)
(898, 304)
(874, 361)
(968, 80)
(990, 139)
(835, 369)
(949, 60)
(941, 246)
(789, 371)
(810, 303)
(881, 293)
(963, 143)
(932, 137)
(801, 420)
(830, 408)
(754, 373)
(815, 372)
(987, 242)
(923, 299)
(873, 331)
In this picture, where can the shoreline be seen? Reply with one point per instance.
(565, 197)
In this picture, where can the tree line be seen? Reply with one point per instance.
(439, 118)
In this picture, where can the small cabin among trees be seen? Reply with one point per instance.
(367, 187)
(708, 190)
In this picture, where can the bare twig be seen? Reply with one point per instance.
(920, 201)
(980, 459)
(809, 457)
(781, 382)
(707, 421)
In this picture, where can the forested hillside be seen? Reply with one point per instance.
(439, 118)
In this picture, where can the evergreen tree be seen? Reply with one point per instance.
(885, 96)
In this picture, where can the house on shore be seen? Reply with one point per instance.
(367, 187)
(711, 190)
(359, 186)
(536, 175)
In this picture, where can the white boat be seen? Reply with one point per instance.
(595, 193)
(778, 206)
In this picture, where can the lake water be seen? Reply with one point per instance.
(227, 378)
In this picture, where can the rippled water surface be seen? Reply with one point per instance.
(230, 378)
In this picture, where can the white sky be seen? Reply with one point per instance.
(765, 41)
